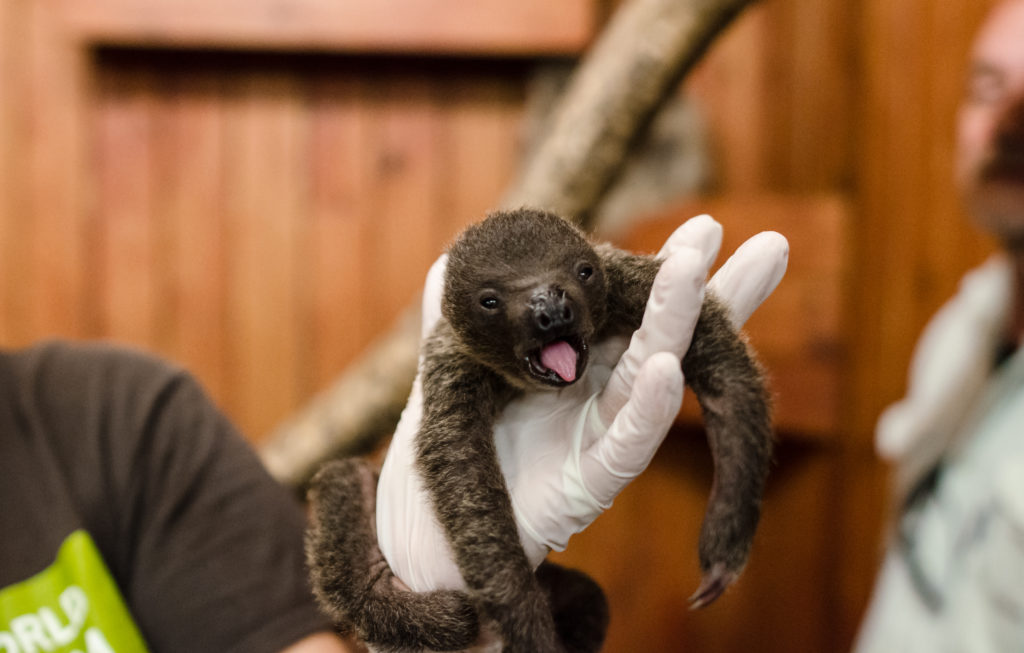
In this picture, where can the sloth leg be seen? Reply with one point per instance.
(353, 582)
(578, 605)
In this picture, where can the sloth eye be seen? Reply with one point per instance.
(585, 271)
(490, 302)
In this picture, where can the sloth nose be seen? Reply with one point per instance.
(551, 310)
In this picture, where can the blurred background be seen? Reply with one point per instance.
(256, 189)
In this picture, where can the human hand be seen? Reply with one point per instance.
(567, 454)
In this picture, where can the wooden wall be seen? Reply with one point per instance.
(257, 204)
(258, 217)
(263, 220)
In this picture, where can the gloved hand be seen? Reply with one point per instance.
(566, 454)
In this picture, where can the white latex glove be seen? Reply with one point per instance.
(566, 454)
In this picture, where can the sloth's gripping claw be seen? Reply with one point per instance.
(711, 587)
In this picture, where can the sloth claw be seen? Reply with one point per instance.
(711, 586)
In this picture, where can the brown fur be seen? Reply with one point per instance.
(514, 283)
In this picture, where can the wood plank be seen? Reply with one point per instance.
(125, 220)
(41, 219)
(7, 77)
(777, 94)
(505, 27)
(406, 177)
(812, 53)
(265, 150)
(482, 147)
(951, 243)
(727, 83)
(14, 109)
(339, 267)
(56, 163)
(798, 331)
(892, 150)
(189, 161)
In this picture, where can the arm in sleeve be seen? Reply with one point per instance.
(217, 559)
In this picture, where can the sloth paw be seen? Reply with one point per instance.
(711, 586)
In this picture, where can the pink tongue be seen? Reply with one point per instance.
(560, 357)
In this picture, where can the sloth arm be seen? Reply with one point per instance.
(629, 277)
(459, 464)
(715, 341)
(730, 387)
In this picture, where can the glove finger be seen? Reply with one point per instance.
(751, 274)
(702, 233)
(433, 288)
(637, 431)
(668, 322)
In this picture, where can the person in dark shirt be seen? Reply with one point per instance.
(135, 518)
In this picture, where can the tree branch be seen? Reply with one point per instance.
(640, 58)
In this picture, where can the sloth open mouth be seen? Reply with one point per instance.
(559, 362)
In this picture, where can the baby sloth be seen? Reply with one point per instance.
(525, 297)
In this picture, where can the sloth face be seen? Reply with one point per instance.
(526, 292)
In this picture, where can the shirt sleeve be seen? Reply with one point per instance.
(206, 547)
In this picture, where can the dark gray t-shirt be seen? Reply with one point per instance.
(125, 453)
